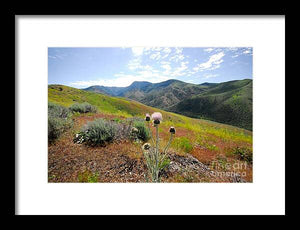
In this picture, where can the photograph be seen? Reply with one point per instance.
(150, 114)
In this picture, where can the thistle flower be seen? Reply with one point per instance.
(146, 146)
(172, 130)
(147, 118)
(156, 117)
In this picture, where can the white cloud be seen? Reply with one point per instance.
(180, 71)
(167, 67)
(120, 80)
(137, 51)
(57, 56)
(210, 75)
(135, 63)
(240, 51)
(213, 63)
(248, 51)
(155, 56)
(166, 52)
(208, 50)
(178, 50)
(177, 57)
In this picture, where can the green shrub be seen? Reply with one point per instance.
(182, 143)
(83, 108)
(59, 120)
(142, 130)
(97, 132)
(116, 119)
(58, 111)
(243, 153)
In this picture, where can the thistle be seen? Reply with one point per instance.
(152, 154)
(147, 118)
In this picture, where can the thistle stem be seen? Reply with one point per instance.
(166, 148)
(157, 152)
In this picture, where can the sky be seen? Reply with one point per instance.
(120, 66)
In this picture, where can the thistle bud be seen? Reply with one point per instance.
(146, 146)
(172, 130)
(134, 130)
(156, 122)
(147, 118)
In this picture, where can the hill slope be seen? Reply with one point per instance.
(229, 102)
(67, 96)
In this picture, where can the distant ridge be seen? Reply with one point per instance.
(227, 102)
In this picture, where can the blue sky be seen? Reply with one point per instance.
(83, 67)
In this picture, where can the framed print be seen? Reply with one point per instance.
(127, 114)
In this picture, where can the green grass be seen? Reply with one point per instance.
(182, 144)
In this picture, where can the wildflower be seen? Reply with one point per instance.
(156, 117)
(146, 146)
(147, 117)
(172, 130)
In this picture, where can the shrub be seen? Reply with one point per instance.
(143, 132)
(83, 108)
(58, 111)
(243, 153)
(97, 132)
(58, 121)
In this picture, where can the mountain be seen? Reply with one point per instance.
(160, 95)
(227, 102)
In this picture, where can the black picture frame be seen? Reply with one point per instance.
(11, 86)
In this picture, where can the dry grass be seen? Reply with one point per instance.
(123, 161)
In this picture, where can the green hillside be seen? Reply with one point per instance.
(123, 107)
(229, 102)
(66, 96)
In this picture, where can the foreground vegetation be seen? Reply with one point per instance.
(77, 154)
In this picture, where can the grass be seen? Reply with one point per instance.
(182, 144)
